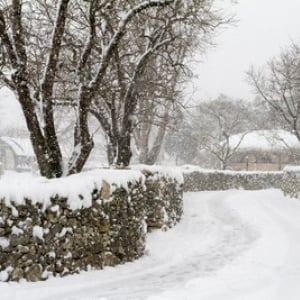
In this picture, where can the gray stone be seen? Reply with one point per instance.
(34, 273)
(105, 190)
(17, 274)
(16, 240)
(22, 249)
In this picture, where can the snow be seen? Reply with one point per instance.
(186, 169)
(230, 245)
(4, 242)
(15, 187)
(65, 231)
(291, 169)
(17, 231)
(38, 232)
(20, 146)
(4, 274)
(265, 140)
(173, 172)
(9, 106)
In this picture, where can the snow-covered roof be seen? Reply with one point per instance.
(265, 140)
(20, 146)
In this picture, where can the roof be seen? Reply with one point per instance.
(265, 140)
(20, 146)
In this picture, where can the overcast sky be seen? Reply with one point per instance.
(264, 28)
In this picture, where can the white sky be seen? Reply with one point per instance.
(264, 28)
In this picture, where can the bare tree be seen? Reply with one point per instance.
(222, 119)
(24, 51)
(116, 108)
(181, 142)
(157, 109)
(145, 76)
(205, 135)
(278, 85)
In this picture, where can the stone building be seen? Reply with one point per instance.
(264, 150)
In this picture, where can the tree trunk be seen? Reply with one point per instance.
(143, 142)
(157, 145)
(83, 142)
(48, 167)
(124, 151)
(112, 150)
(53, 149)
(223, 165)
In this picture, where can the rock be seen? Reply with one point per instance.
(2, 231)
(104, 227)
(57, 228)
(49, 259)
(59, 267)
(23, 249)
(34, 273)
(68, 244)
(3, 258)
(26, 261)
(32, 249)
(109, 259)
(97, 248)
(17, 274)
(105, 190)
(16, 240)
(22, 210)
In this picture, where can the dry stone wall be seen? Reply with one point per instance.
(224, 180)
(59, 236)
(291, 182)
(164, 203)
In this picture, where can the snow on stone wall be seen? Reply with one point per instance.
(91, 220)
(209, 180)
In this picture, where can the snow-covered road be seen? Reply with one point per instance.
(230, 245)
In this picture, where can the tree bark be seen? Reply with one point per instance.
(46, 168)
(83, 142)
(124, 150)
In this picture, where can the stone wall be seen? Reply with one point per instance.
(164, 204)
(224, 180)
(291, 182)
(105, 225)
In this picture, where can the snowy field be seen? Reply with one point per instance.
(230, 245)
